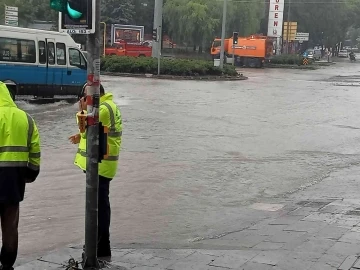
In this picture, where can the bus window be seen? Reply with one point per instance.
(77, 59)
(51, 53)
(17, 50)
(42, 52)
(60, 54)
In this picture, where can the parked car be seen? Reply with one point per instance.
(309, 54)
(343, 54)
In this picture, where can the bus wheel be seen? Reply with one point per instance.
(142, 55)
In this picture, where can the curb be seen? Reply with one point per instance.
(179, 78)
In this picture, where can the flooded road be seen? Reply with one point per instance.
(194, 153)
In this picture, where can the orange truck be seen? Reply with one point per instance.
(250, 51)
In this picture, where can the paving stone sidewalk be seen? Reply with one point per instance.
(312, 234)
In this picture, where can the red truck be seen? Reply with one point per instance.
(129, 49)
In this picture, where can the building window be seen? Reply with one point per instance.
(17, 50)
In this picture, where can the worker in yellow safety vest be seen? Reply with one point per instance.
(19, 164)
(109, 116)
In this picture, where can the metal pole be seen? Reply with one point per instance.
(92, 146)
(288, 27)
(158, 16)
(233, 54)
(223, 30)
(160, 43)
(104, 44)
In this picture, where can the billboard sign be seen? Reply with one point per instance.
(276, 16)
(132, 34)
(292, 28)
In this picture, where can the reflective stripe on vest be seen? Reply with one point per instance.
(111, 158)
(21, 149)
(112, 131)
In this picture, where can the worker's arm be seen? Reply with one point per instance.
(104, 116)
(33, 168)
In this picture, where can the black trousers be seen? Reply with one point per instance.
(104, 216)
(9, 214)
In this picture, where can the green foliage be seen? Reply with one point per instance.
(175, 67)
(244, 17)
(115, 11)
(287, 59)
(197, 22)
(30, 11)
(191, 21)
(326, 23)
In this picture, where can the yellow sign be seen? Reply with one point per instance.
(292, 26)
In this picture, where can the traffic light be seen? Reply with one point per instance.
(155, 35)
(235, 38)
(75, 9)
(76, 16)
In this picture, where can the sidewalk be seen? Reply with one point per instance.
(317, 228)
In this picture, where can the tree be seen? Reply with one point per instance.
(245, 17)
(191, 21)
(326, 23)
(115, 11)
(197, 22)
(30, 11)
(144, 14)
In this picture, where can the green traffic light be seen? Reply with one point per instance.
(58, 5)
(74, 14)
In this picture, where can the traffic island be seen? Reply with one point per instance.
(289, 66)
(170, 69)
(291, 61)
(239, 77)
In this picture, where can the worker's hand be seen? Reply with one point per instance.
(82, 104)
(75, 139)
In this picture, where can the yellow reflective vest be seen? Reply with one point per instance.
(19, 136)
(109, 116)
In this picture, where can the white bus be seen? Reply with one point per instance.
(41, 63)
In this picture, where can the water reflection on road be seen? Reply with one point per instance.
(195, 152)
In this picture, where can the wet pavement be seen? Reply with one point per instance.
(197, 155)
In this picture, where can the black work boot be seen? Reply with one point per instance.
(6, 268)
(104, 252)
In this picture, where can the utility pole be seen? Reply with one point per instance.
(222, 50)
(92, 146)
(288, 27)
(158, 17)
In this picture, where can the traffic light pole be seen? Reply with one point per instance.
(222, 49)
(288, 28)
(92, 138)
(233, 55)
(158, 16)
(159, 44)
